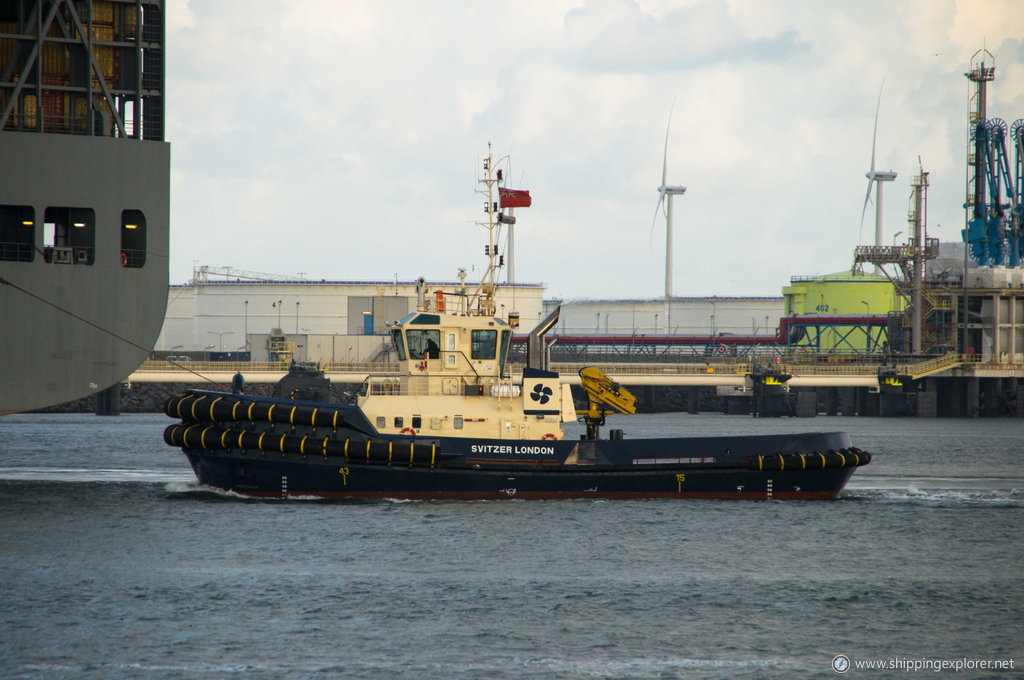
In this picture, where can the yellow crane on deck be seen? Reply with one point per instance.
(604, 397)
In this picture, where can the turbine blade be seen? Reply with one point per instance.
(664, 171)
(871, 173)
(874, 135)
(867, 199)
(657, 209)
(664, 160)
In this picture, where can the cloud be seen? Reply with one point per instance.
(345, 139)
(180, 16)
(618, 36)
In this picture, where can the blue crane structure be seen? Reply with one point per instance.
(1017, 192)
(994, 230)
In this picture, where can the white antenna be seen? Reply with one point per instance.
(875, 177)
(670, 191)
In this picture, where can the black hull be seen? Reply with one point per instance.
(268, 475)
(280, 448)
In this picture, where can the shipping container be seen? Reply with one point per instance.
(103, 32)
(29, 103)
(80, 120)
(7, 44)
(128, 22)
(105, 57)
(102, 12)
(54, 104)
(55, 59)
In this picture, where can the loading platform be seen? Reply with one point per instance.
(803, 370)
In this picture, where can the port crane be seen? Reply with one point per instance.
(202, 274)
(1016, 191)
(994, 232)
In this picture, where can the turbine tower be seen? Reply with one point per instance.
(670, 191)
(875, 177)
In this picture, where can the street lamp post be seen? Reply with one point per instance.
(867, 328)
(220, 337)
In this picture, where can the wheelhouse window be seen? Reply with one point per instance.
(506, 340)
(484, 344)
(17, 233)
(69, 235)
(450, 346)
(423, 344)
(133, 238)
(396, 337)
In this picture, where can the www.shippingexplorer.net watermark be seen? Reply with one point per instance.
(842, 664)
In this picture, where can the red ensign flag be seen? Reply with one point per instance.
(514, 198)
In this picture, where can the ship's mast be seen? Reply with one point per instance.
(485, 292)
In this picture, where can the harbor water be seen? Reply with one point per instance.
(116, 565)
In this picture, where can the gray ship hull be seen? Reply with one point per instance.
(78, 324)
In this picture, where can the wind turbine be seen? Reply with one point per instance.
(670, 191)
(875, 177)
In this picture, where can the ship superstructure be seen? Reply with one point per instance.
(453, 350)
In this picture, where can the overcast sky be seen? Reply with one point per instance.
(344, 139)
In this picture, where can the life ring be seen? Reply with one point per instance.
(721, 349)
(408, 430)
(778, 360)
(549, 436)
(124, 259)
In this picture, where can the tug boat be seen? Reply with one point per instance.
(455, 423)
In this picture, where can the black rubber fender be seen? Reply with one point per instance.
(211, 437)
(230, 408)
(816, 460)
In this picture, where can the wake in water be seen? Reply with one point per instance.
(94, 474)
(198, 491)
(941, 498)
(907, 494)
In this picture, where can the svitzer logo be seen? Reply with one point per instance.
(541, 393)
